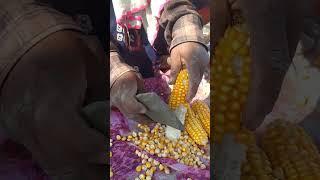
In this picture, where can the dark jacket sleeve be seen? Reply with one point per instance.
(181, 23)
(117, 66)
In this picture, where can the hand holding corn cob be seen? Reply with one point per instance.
(195, 58)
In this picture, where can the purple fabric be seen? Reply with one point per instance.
(124, 160)
(16, 163)
(158, 85)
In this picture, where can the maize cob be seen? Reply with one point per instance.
(231, 76)
(291, 151)
(257, 165)
(180, 90)
(194, 128)
(202, 110)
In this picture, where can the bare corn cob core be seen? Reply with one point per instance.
(194, 128)
(180, 90)
(231, 75)
(202, 110)
(291, 151)
(257, 165)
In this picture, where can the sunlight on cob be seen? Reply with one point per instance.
(231, 75)
(291, 151)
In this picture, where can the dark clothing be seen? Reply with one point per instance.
(23, 24)
(50, 70)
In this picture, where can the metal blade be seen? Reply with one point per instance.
(159, 111)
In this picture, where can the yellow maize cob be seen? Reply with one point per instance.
(291, 151)
(257, 165)
(231, 78)
(180, 90)
(202, 110)
(194, 128)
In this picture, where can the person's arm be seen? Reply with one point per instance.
(117, 66)
(47, 90)
(273, 36)
(125, 83)
(182, 23)
(184, 36)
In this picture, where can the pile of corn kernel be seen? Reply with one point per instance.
(149, 166)
(153, 141)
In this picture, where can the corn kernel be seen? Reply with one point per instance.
(118, 137)
(161, 167)
(142, 176)
(166, 170)
(148, 164)
(138, 168)
(144, 167)
(202, 166)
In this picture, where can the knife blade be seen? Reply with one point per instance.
(159, 111)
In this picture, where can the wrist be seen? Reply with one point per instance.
(118, 68)
(187, 28)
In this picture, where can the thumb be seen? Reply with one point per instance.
(175, 63)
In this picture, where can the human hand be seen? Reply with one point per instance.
(196, 59)
(123, 96)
